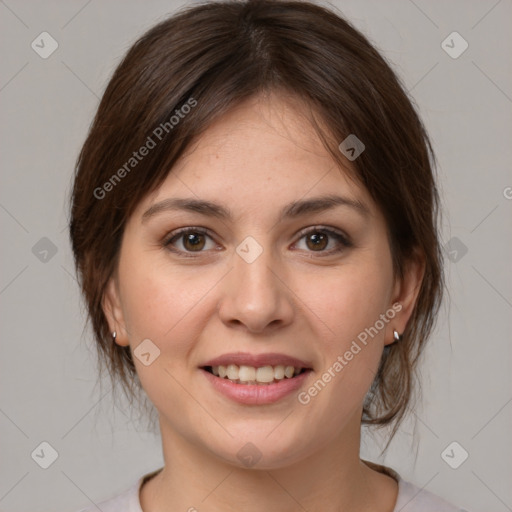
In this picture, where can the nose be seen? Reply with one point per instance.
(256, 296)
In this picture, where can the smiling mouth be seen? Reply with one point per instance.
(262, 375)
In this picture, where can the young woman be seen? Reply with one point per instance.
(254, 223)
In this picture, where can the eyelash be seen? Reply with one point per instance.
(342, 239)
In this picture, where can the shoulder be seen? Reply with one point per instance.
(126, 501)
(414, 499)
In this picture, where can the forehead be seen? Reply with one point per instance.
(263, 152)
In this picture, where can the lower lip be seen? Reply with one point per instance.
(254, 394)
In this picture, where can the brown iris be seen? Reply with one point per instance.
(318, 241)
(193, 241)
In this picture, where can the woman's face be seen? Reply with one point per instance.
(285, 263)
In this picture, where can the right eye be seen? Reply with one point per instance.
(188, 240)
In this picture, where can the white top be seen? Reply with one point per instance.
(410, 499)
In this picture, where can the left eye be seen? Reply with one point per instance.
(318, 240)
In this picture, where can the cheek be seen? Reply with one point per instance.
(158, 302)
(347, 300)
(164, 306)
(347, 303)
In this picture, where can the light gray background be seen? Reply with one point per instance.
(48, 373)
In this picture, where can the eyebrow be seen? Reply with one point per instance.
(291, 210)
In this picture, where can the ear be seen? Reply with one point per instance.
(406, 291)
(112, 309)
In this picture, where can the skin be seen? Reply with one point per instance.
(293, 299)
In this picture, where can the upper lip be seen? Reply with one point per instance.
(257, 360)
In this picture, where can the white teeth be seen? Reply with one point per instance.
(279, 372)
(251, 375)
(247, 373)
(265, 374)
(232, 372)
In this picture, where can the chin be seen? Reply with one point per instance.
(261, 451)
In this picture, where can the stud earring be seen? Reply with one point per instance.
(114, 336)
(396, 336)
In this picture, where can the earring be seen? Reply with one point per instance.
(396, 336)
(114, 336)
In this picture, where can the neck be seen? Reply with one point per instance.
(333, 479)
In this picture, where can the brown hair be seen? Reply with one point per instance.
(213, 56)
